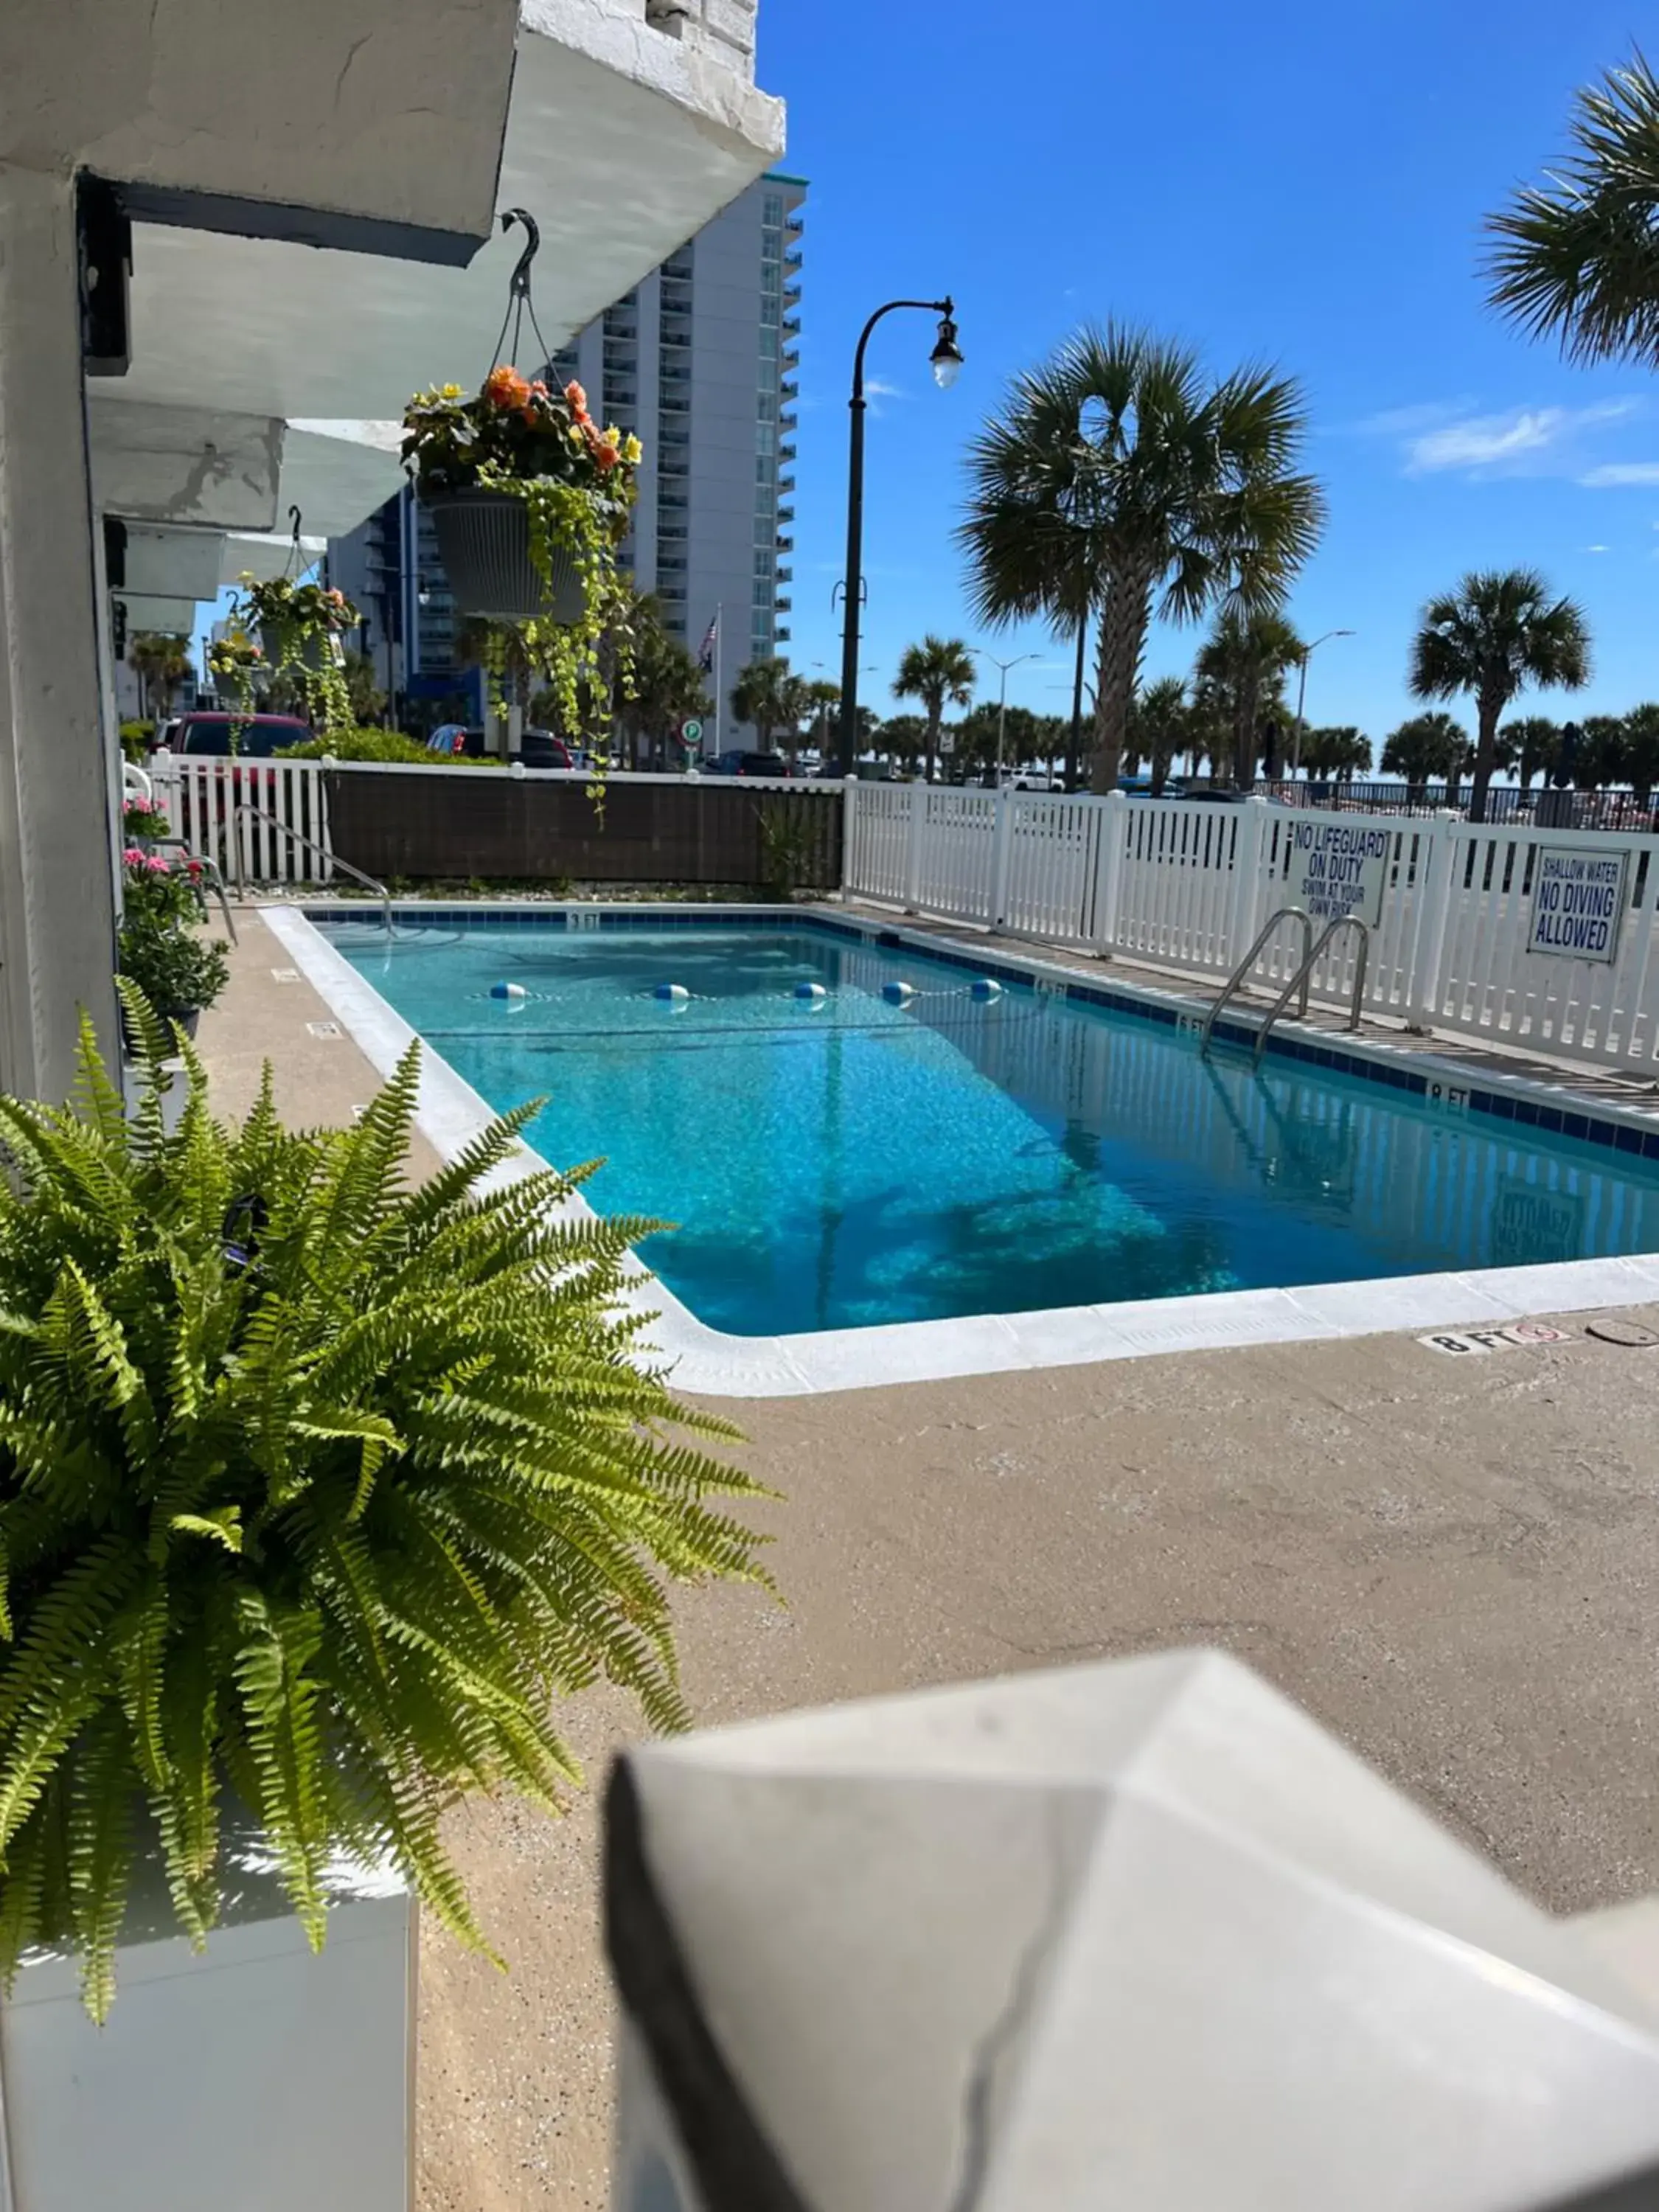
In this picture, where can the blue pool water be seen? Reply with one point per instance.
(850, 1161)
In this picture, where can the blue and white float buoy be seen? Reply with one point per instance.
(810, 994)
(984, 988)
(897, 993)
(507, 991)
(671, 993)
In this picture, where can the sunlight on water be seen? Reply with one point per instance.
(841, 1161)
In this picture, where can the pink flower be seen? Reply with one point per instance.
(134, 857)
(156, 864)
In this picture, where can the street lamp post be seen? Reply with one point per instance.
(978, 652)
(1308, 651)
(946, 360)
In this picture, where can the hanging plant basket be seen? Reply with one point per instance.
(483, 541)
(313, 650)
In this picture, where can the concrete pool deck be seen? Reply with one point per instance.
(1453, 1562)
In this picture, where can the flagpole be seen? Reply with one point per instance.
(720, 689)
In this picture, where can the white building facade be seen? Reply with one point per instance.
(232, 242)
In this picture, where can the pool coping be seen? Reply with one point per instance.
(708, 1362)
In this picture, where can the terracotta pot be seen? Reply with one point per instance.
(483, 540)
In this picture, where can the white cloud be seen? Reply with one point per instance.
(877, 387)
(1482, 440)
(1598, 549)
(1621, 472)
(1439, 438)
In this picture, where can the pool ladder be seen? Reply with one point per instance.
(248, 811)
(1312, 953)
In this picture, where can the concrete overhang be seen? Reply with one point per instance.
(620, 140)
(387, 115)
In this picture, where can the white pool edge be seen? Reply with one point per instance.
(707, 1362)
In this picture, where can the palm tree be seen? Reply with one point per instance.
(1117, 470)
(1159, 725)
(161, 660)
(1577, 258)
(666, 683)
(1245, 659)
(1496, 633)
(939, 671)
(1641, 751)
(1340, 751)
(823, 696)
(1428, 746)
(1535, 745)
(1600, 759)
(767, 695)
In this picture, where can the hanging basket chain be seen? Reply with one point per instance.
(518, 301)
(295, 567)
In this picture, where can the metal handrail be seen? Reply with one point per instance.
(333, 859)
(1304, 975)
(1236, 981)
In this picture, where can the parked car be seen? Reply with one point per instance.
(258, 736)
(542, 749)
(743, 763)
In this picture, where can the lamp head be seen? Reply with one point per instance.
(946, 356)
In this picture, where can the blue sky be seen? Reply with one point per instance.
(1293, 183)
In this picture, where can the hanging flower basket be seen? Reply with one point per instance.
(483, 541)
(287, 646)
(530, 500)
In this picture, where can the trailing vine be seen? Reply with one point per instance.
(578, 484)
(307, 623)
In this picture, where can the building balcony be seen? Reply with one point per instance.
(792, 326)
(785, 514)
(783, 606)
(782, 634)
(788, 391)
(794, 257)
(791, 296)
(785, 452)
(785, 575)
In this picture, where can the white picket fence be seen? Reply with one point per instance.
(1187, 885)
(262, 821)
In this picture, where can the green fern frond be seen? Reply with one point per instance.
(324, 1525)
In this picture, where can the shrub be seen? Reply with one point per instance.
(135, 741)
(316, 1490)
(376, 745)
(178, 971)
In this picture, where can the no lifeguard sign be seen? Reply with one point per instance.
(1339, 869)
(1578, 904)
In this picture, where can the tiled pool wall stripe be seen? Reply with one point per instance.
(708, 1362)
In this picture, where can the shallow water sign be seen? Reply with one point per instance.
(1578, 903)
(1337, 869)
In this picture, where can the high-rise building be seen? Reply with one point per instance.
(701, 360)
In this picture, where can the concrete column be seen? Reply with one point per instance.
(57, 856)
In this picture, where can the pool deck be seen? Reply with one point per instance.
(1453, 1562)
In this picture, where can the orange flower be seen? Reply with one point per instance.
(576, 396)
(504, 388)
(606, 456)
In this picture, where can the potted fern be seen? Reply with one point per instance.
(317, 1491)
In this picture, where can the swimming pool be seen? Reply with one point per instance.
(842, 1162)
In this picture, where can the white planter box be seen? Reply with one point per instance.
(252, 2077)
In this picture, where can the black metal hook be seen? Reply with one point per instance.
(518, 282)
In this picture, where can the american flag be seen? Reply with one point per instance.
(711, 640)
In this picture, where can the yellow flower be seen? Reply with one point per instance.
(633, 453)
(452, 391)
(574, 434)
